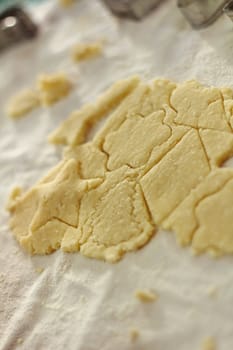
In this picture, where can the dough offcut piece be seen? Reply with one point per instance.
(154, 163)
(23, 103)
(53, 88)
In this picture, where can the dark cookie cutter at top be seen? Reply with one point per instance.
(199, 13)
(228, 9)
(134, 9)
(202, 13)
(15, 26)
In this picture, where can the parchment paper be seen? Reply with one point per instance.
(76, 302)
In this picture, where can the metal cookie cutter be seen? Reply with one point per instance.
(228, 9)
(136, 9)
(201, 13)
(15, 26)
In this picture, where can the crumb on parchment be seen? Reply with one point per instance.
(20, 341)
(208, 344)
(212, 291)
(134, 334)
(22, 103)
(39, 269)
(85, 51)
(146, 295)
(53, 87)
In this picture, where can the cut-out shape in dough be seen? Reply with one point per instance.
(170, 181)
(218, 146)
(183, 219)
(113, 218)
(135, 128)
(91, 161)
(214, 216)
(199, 106)
(155, 162)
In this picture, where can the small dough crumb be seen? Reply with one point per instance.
(83, 299)
(146, 295)
(53, 88)
(19, 340)
(23, 103)
(212, 291)
(85, 51)
(208, 344)
(39, 269)
(134, 334)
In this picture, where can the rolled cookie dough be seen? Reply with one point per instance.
(155, 162)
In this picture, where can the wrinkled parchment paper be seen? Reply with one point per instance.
(83, 304)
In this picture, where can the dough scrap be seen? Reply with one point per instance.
(23, 103)
(53, 88)
(155, 163)
(85, 51)
(212, 291)
(146, 296)
(134, 334)
(39, 269)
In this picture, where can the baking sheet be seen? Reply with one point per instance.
(76, 302)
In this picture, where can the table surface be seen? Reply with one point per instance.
(76, 302)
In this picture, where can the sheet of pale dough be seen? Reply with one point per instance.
(80, 303)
